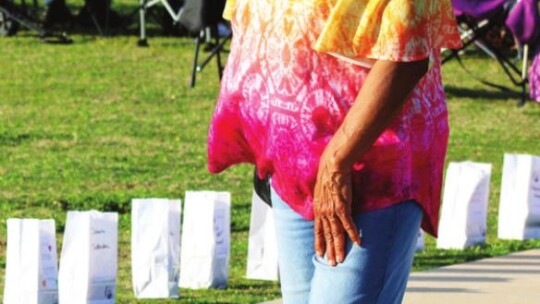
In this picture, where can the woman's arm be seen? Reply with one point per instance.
(383, 94)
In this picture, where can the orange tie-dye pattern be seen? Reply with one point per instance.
(397, 30)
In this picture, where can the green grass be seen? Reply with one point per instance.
(99, 122)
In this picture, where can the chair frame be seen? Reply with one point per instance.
(204, 37)
(473, 33)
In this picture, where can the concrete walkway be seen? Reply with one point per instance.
(508, 279)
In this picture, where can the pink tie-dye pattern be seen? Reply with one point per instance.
(281, 102)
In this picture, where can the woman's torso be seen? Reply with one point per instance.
(281, 102)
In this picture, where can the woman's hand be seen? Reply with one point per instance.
(383, 94)
(332, 208)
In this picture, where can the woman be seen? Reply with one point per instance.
(340, 102)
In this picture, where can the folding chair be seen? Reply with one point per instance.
(12, 16)
(477, 18)
(200, 18)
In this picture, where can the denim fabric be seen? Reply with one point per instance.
(376, 272)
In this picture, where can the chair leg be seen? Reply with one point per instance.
(214, 51)
(195, 65)
(142, 24)
(524, 74)
(96, 24)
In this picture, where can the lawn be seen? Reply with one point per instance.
(99, 122)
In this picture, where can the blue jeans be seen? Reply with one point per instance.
(376, 272)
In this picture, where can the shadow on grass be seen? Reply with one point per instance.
(257, 286)
(457, 92)
(13, 140)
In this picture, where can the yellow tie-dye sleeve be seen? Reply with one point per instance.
(396, 30)
(228, 11)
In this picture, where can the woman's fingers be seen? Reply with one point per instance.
(330, 252)
(320, 244)
(350, 227)
(338, 237)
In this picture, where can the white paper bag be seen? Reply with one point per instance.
(262, 261)
(155, 247)
(519, 209)
(465, 204)
(31, 262)
(204, 261)
(420, 240)
(89, 258)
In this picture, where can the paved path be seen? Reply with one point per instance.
(508, 279)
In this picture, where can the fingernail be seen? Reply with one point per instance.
(340, 260)
(319, 254)
(332, 262)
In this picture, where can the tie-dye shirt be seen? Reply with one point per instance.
(285, 92)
